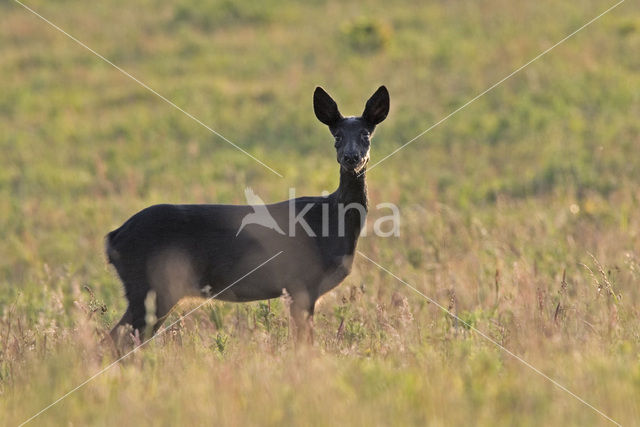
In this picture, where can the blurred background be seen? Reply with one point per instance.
(519, 213)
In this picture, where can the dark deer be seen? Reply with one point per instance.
(198, 250)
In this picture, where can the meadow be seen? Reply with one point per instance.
(520, 213)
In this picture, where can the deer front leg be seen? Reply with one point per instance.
(302, 314)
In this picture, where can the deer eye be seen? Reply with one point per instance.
(338, 139)
(365, 136)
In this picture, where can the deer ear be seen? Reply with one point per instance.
(377, 106)
(325, 107)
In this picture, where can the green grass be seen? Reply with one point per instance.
(535, 181)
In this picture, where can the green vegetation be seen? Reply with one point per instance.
(521, 213)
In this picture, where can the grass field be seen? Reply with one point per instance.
(520, 213)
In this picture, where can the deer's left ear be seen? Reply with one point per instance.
(377, 106)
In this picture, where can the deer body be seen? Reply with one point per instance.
(199, 250)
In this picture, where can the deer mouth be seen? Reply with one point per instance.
(355, 167)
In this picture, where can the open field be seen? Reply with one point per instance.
(520, 214)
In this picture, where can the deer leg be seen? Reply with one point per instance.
(134, 317)
(302, 315)
(171, 278)
(138, 313)
(117, 331)
(163, 310)
(310, 326)
(298, 315)
(126, 319)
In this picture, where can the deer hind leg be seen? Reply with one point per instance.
(164, 306)
(134, 321)
(171, 278)
(131, 323)
(119, 329)
(126, 319)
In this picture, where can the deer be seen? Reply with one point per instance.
(170, 252)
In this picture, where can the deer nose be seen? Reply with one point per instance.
(351, 159)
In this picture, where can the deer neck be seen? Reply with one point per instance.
(353, 188)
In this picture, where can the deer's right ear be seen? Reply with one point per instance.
(325, 107)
